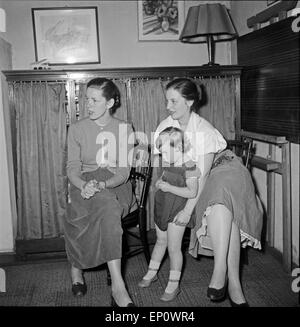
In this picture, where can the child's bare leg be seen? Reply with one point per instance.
(158, 253)
(175, 235)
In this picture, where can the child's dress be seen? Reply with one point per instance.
(167, 205)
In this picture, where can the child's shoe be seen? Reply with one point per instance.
(147, 282)
(166, 297)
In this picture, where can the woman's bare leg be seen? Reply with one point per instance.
(219, 224)
(233, 261)
(118, 288)
(76, 275)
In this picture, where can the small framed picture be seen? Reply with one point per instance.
(66, 35)
(271, 2)
(160, 20)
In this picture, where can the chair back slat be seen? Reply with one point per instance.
(141, 172)
(243, 149)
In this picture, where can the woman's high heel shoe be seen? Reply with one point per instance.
(79, 289)
(241, 305)
(217, 295)
(114, 304)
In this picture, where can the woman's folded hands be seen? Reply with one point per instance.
(91, 187)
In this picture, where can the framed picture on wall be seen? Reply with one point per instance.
(66, 35)
(160, 20)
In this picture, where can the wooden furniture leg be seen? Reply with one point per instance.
(271, 199)
(286, 207)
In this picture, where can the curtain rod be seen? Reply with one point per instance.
(133, 79)
(37, 82)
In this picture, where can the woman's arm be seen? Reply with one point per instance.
(204, 163)
(126, 141)
(190, 191)
(74, 162)
(119, 178)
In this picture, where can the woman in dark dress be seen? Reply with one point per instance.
(99, 189)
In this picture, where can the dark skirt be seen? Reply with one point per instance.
(167, 205)
(231, 185)
(92, 230)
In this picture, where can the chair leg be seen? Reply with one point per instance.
(143, 234)
(244, 256)
(108, 276)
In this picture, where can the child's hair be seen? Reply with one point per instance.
(176, 139)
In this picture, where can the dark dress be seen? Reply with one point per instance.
(167, 205)
(93, 231)
(92, 228)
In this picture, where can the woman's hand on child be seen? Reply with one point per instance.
(182, 218)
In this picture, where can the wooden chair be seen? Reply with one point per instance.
(140, 177)
(134, 224)
(243, 149)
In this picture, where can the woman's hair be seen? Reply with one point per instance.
(109, 91)
(189, 90)
(175, 137)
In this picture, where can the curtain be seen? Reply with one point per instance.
(41, 159)
(219, 104)
(82, 109)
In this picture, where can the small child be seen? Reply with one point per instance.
(178, 183)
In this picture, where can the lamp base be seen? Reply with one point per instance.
(211, 65)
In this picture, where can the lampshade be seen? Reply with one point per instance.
(208, 20)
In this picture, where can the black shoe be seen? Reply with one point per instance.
(233, 304)
(79, 289)
(217, 295)
(114, 304)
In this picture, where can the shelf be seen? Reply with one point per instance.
(266, 164)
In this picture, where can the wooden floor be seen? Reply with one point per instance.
(46, 282)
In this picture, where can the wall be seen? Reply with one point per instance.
(241, 11)
(118, 32)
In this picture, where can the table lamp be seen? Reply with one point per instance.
(208, 23)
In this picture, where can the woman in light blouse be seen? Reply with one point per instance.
(228, 212)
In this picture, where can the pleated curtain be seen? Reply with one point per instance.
(41, 159)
